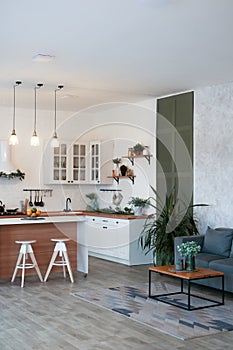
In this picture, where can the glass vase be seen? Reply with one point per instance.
(190, 263)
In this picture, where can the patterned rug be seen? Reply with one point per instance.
(133, 302)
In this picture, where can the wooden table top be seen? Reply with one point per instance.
(186, 275)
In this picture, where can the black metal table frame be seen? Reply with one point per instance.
(189, 282)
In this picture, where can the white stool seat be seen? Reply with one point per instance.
(60, 248)
(25, 250)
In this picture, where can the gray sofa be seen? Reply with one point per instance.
(216, 254)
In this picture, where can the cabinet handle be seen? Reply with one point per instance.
(105, 227)
(104, 220)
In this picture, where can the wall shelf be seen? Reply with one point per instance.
(131, 158)
(118, 177)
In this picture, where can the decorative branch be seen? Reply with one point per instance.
(11, 175)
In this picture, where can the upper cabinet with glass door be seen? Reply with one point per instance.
(65, 164)
(101, 155)
(79, 163)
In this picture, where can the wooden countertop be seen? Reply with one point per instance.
(77, 213)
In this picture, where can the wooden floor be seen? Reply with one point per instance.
(45, 316)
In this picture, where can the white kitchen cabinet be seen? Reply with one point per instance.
(78, 163)
(116, 240)
(101, 155)
(66, 164)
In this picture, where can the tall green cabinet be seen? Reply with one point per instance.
(174, 145)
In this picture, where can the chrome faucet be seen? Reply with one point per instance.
(68, 200)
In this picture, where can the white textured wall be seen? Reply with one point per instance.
(213, 155)
(125, 123)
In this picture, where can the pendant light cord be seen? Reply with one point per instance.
(55, 108)
(17, 83)
(39, 85)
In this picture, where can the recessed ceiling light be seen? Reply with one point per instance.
(43, 58)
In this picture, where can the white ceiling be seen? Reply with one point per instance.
(113, 50)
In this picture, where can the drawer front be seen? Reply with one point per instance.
(106, 222)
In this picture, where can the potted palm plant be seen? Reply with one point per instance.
(164, 225)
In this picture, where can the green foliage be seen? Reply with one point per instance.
(12, 175)
(189, 248)
(116, 160)
(92, 196)
(169, 221)
(139, 202)
(138, 148)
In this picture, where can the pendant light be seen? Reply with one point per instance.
(13, 140)
(35, 139)
(54, 141)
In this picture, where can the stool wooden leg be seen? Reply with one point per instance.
(16, 266)
(36, 266)
(68, 266)
(50, 265)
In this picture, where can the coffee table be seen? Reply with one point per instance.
(198, 274)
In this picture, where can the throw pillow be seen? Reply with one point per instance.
(218, 241)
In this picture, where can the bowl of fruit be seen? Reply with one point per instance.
(33, 212)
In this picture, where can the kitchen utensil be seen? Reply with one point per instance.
(12, 211)
(36, 198)
(30, 201)
(41, 204)
(2, 207)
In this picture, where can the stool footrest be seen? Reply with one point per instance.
(26, 266)
(60, 263)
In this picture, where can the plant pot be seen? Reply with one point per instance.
(117, 170)
(190, 263)
(138, 211)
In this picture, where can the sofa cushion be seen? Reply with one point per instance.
(231, 252)
(204, 259)
(218, 241)
(224, 265)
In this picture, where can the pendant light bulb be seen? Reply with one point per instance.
(54, 142)
(35, 139)
(13, 139)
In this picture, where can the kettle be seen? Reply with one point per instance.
(2, 207)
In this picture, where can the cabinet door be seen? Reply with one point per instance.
(101, 165)
(95, 162)
(78, 163)
(60, 162)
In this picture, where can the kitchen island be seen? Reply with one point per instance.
(107, 236)
(42, 229)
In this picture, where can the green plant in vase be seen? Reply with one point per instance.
(139, 204)
(189, 250)
(138, 149)
(93, 205)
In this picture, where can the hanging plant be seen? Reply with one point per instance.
(12, 175)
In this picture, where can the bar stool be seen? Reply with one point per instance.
(26, 249)
(60, 248)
